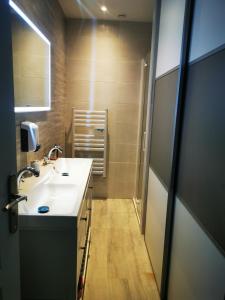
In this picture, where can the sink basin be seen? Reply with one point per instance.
(62, 194)
(59, 179)
(59, 198)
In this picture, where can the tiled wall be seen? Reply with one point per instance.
(48, 16)
(103, 62)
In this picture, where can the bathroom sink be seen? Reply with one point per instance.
(61, 187)
(52, 243)
(58, 197)
(64, 178)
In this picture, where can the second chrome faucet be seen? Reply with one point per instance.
(47, 158)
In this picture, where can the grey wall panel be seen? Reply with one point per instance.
(201, 180)
(162, 127)
(208, 27)
(197, 267)
(170, 35)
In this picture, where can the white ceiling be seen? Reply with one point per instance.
(135, 10)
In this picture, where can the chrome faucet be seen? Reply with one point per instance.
(27, 169)
(55, 148)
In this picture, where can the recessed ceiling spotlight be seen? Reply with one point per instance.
(104, 8)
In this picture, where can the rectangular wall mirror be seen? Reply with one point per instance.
(31, 64)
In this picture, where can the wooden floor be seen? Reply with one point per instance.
(118, 267)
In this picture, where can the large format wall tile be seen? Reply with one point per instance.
(121, 180)
(122, 152)
(104, 72)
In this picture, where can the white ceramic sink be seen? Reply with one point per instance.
(59, 198)
(62, 194)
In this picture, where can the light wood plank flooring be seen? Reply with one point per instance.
(118, 268)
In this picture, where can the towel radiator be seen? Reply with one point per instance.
(89, 137)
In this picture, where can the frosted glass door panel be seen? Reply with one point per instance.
(209, 24)
(170, 35)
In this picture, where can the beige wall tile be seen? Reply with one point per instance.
(125, 153)
(107, 48)
(104, 94)
(125, 113)
(133, 30)
(104, 72)
(123, 133)
(121, 180)
(100, 187)
(80, 47)
(129, 71)
(128, 92)
(78, 91)
(78, 69)
(122, 172)
(134, 50)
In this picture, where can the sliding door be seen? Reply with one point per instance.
(197, 269)
(165, 86)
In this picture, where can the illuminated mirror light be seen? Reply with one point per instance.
(31, 109)
(44, 38)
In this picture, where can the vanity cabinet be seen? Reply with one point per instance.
(84, 234)
(54, 251)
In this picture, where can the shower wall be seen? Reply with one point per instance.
(103, 71)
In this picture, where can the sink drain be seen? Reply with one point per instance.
(65, 174)
(43, 209)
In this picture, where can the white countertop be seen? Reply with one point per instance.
(63, 194)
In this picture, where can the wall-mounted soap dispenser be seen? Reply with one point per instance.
(29, 137)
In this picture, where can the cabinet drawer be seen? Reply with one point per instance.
(80, 254)
(83, 224)
(82, 227)
(81, 235)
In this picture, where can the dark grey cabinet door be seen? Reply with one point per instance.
(9, 244)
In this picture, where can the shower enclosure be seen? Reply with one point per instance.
(142, 138)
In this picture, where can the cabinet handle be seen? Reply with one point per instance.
(83, 219)
(82, 248)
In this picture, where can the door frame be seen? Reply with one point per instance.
(9, 242)
(177, 132)
(150, 107)
(143, 83)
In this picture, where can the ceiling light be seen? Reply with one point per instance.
(104, 8)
